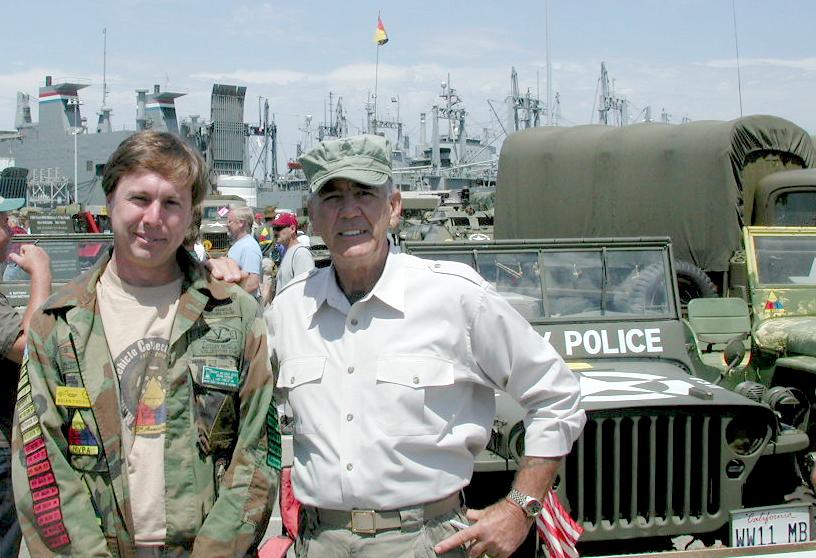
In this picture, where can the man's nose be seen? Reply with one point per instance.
(350, 206)
(153, 213)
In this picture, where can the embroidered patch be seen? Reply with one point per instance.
(45, 493)
(220, 377)
(81, 440)
(72, 397)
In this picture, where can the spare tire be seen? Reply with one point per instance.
(645, 288)
(692, 282)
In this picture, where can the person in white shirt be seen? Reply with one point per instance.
(390, 364)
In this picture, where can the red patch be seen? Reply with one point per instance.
(49, 492)
(35, 470)
(48, 505)
(34, 445)
(57, 542)
(36, 457)
(50, 517)
(53, 530)
(43, 480)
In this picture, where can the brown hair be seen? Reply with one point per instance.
(163, 153)
(194, 230)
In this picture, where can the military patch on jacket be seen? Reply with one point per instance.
(273, 438)
(81, 440)
(45, 495)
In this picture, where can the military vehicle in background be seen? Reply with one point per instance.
(777, 325)
(698, 183)
(665, 452)
(214, 233)
(446, 216)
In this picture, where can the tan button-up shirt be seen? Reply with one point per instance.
(393, 396)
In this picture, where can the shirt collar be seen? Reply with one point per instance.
(389, 289)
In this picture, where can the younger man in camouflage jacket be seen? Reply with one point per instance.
(205, 391)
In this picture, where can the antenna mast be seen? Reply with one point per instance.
(104, 66)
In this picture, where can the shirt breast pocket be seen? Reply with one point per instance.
(413, 395)
(216, 382)
(301, 377)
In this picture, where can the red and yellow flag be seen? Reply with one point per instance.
(380, 36)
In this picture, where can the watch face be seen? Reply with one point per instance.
(533, 507)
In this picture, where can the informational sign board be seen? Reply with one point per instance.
(41, 223)
(785, 524)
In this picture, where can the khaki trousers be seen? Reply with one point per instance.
(415, 538)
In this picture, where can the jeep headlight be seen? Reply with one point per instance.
(745, 435)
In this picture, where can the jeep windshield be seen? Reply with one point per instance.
(795, 209)
(566, 282)
(786, 259)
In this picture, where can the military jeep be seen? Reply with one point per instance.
(664, 452)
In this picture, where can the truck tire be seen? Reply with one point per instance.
(692, 282)
(644, 289)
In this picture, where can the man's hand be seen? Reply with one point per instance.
(497, 531)
(225, 269)
(33, 260)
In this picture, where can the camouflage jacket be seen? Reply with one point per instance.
(222, 442)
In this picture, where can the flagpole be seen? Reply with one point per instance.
(376, 77)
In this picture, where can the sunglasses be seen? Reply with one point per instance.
(278, 228)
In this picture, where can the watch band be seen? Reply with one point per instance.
(529, 505)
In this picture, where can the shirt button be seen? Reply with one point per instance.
(350, 370)
(415, 379)
(354, 321)
(292, 380)
(349, 417)
(349, 466)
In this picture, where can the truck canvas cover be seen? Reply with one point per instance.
(685, 181)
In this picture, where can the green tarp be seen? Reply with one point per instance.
(685, 181)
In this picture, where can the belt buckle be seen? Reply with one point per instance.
(363, 522)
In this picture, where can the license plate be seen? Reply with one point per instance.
(785, 524)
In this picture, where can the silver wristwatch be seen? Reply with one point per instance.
(529, 505)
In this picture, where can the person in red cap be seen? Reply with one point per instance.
(297, 258)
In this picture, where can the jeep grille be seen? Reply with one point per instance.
(220, 241)
(644, 475)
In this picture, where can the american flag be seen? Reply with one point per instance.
(557, 529)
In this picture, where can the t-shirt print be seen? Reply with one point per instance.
(142, 369)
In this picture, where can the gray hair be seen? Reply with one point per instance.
(246, 215)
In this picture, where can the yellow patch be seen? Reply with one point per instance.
(579, 365)
(83, 450)
(72, 397)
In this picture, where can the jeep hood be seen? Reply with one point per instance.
(618, 384)
(794, 335)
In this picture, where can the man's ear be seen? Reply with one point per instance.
(395, 202)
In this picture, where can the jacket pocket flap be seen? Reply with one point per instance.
(296, 371)
(414, 371)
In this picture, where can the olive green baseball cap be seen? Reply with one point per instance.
(365, 159)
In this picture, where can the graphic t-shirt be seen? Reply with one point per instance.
(138, 322)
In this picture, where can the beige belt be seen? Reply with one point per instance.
(368, 522)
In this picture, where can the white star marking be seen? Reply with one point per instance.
(809, 279)
(594, 384)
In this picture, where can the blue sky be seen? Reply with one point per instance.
(678, 56)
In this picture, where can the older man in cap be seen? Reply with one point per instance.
(390, 363)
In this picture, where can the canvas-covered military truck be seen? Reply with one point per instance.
(698, 183)
(664, 452)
